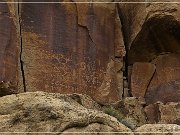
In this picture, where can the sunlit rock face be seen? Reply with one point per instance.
(54, 112)
(71, 48)
(106, 51)
(65, 48)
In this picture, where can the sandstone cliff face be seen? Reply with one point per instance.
(106, 51)
(59, 48)
(109, 51)
(151, 34)
(8, 52)
(65, 49)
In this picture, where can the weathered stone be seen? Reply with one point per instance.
(158, 36)
(170, 113)
(112, 79)
(51, 112)
(167, 68)
(85, 101)
(8, 51)
(165, 84)
(126, 92)
(150, 29)
(152, 113)
(154, 129)
(65, 49)
(132, 109)
(91, 129)
(166, 93)
(135, 110)
(6, 88)
(141, 76)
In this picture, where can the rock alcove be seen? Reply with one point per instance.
(154, 60)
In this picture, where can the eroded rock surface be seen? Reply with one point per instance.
(168, 113)
(142, 74)
(48, 112)
(80, 48)
(152, 113)
(154, 129)
(165, 85)
(151, 32)
(65, 50)
(9, 51)
(131, 109)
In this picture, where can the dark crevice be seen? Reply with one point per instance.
(125, 39)
(21, 61)
(125, 58)
(150, 81)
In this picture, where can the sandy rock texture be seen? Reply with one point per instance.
(168, 113)
(50, 112)
(155, 129)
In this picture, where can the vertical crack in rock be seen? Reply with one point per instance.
(125, 40)
(21, 61)
(150, 80)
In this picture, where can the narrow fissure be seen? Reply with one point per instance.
(150, 81)
(21, 61)
(125, 58)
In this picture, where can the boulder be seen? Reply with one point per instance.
(168, 113)
(167, 69)
(165, 84)
(152, 113)
(85, 101)
(52, 112)
(135, 111)
(131, 109)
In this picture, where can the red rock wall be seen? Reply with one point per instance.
(79, 48)
(8, 48)
(71, 48)
(150, 30)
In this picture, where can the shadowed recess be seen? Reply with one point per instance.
(158, 35)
